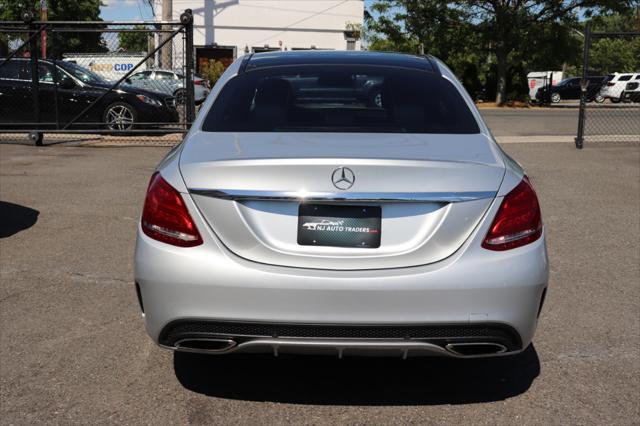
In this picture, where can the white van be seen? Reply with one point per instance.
(112, 65)
(538, 79)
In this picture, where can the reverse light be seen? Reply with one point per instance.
(165, 216)
(518, 221)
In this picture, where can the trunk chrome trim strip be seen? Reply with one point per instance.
(404, 348)
(366, 197)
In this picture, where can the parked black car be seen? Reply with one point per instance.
(124, 108)
(569, 88)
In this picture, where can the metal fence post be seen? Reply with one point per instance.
(583, 87)
(187, 20)
(55, 93)
(36, 137)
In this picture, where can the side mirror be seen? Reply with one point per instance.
(67, 83)
(127, 80)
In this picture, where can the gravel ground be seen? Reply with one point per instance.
(74, 349)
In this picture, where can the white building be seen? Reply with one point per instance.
(226, 29)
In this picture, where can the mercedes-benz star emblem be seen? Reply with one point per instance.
(343, 178)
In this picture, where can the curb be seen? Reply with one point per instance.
(536, 139)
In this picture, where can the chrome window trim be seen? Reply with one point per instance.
(366, 197)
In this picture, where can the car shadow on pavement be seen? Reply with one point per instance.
(357, 381)
(15, 218)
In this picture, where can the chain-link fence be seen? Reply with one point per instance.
(130, 81)
(611, 77)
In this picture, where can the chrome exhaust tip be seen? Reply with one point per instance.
(205, 345)
(476, 349)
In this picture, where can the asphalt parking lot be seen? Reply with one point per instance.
(557, 124)
(605, 119)
(74, 349)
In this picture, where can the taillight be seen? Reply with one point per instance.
(518, 220)
(611, 84)
(165, 216)
(198, 82)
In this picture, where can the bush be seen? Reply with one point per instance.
(212, 70)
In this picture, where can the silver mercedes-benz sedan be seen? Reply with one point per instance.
(340, 203)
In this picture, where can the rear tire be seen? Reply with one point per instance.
(555, 98)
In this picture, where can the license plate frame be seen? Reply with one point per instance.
(337, 225)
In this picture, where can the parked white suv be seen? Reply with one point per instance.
(615, 85)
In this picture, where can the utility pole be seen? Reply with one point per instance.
(150, 48)
(43, 34)
(166, 60)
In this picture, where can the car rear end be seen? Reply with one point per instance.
(306, 212)
(201, 89)
(607, 87)
(614, 85)
(631, 91)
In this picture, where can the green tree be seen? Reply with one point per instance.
(610, 55)
(385, 31)
(211, 70)
(615, 54)
(134, 41)
(10, 10)
(59, 10)
(492, 34)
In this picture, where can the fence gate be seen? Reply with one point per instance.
(610, 88)
(132, 80)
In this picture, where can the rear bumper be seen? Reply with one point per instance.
(209, 285)
(633, 96)
(221, 337)
(200, 94)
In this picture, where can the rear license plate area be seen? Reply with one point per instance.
(339, 226)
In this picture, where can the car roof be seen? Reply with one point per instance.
(331, 57)
(46, 60)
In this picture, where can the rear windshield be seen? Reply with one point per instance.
(340, 98)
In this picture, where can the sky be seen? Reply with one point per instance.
(125, 10)
(128, 10)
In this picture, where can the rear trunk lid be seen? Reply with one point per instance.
(430, 191)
